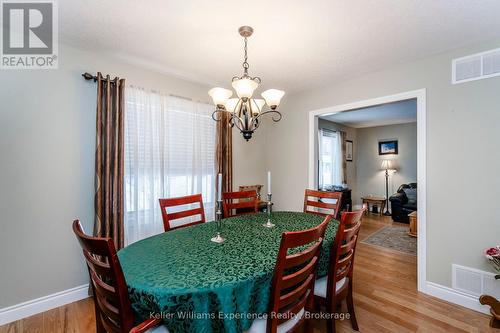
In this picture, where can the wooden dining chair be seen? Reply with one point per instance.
(322, 203)
(196, 214)
(240, 203)
(113, 310)
(332, 289)
(293, 281)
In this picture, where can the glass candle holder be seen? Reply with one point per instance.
(269, 224)
(218, 219)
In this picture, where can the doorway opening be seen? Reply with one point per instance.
(383, 142)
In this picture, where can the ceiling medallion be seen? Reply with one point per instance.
(245, 111)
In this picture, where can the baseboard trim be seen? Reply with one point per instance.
(45, 303)
(454, 296)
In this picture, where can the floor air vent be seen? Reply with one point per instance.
(474, 282)
(476, 67)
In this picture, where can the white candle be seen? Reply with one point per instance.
(219, 187)
(269, 182)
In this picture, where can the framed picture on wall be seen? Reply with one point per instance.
(388, 147)
(348, 150)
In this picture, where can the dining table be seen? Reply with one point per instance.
(196, 285)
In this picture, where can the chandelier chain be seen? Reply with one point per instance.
(245, 62)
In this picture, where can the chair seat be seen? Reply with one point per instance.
(321, 284)
(158, 329)
(260, 325)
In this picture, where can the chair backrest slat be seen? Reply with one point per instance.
(243, 204)
(109, 325)
(294, 308)
(112, 304)
(343, 250)
(291, 280)
(240, 203)
(347, 247)
(104, 289)
(101, 268)
(344, 265)
(294, 274)
(321, 202)
(168, 217)
(350, 232)
(185, 213)
(296, 259)
(296, 293)
(108, 309)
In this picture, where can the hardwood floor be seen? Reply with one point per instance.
(76, 317)
(385, 297)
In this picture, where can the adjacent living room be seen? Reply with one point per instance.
(370, 155)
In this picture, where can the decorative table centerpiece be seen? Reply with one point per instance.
(492, 254)
(269, 224)
(218, 212)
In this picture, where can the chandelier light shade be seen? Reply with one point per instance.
(245, 111)
(244, 87)
(273, 97)
(220, 95)
(231, 104)
(258, 105)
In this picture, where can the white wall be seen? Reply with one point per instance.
(249, 159)
(463, 159)
(47, 140)
(370, 179)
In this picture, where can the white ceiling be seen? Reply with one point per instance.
(297, 44)
(386, 114)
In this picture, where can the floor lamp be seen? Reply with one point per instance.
(386, 165)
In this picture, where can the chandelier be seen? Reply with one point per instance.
(245, 111)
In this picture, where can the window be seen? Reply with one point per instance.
(330, 159)
(169, 152)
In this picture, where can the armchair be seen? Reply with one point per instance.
(403, 202)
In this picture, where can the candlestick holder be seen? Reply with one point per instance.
(269, 224)
(218, 219)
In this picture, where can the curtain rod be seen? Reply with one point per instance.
(88, 76)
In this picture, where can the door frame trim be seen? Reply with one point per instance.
(420, 95)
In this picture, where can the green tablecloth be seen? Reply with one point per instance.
(192, 282)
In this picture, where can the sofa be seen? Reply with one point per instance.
(403, 202)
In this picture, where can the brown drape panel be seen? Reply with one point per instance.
(109, 159)
(343, 136)
(224, 151)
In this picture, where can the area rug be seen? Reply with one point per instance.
(395, 238)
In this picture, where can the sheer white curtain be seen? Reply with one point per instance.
(169, 152)
(330, 158)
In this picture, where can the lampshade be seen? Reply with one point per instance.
(244, 87)
(273, 97)
(220, 95)
(386, 165)
(257, 105)
(231, 104)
